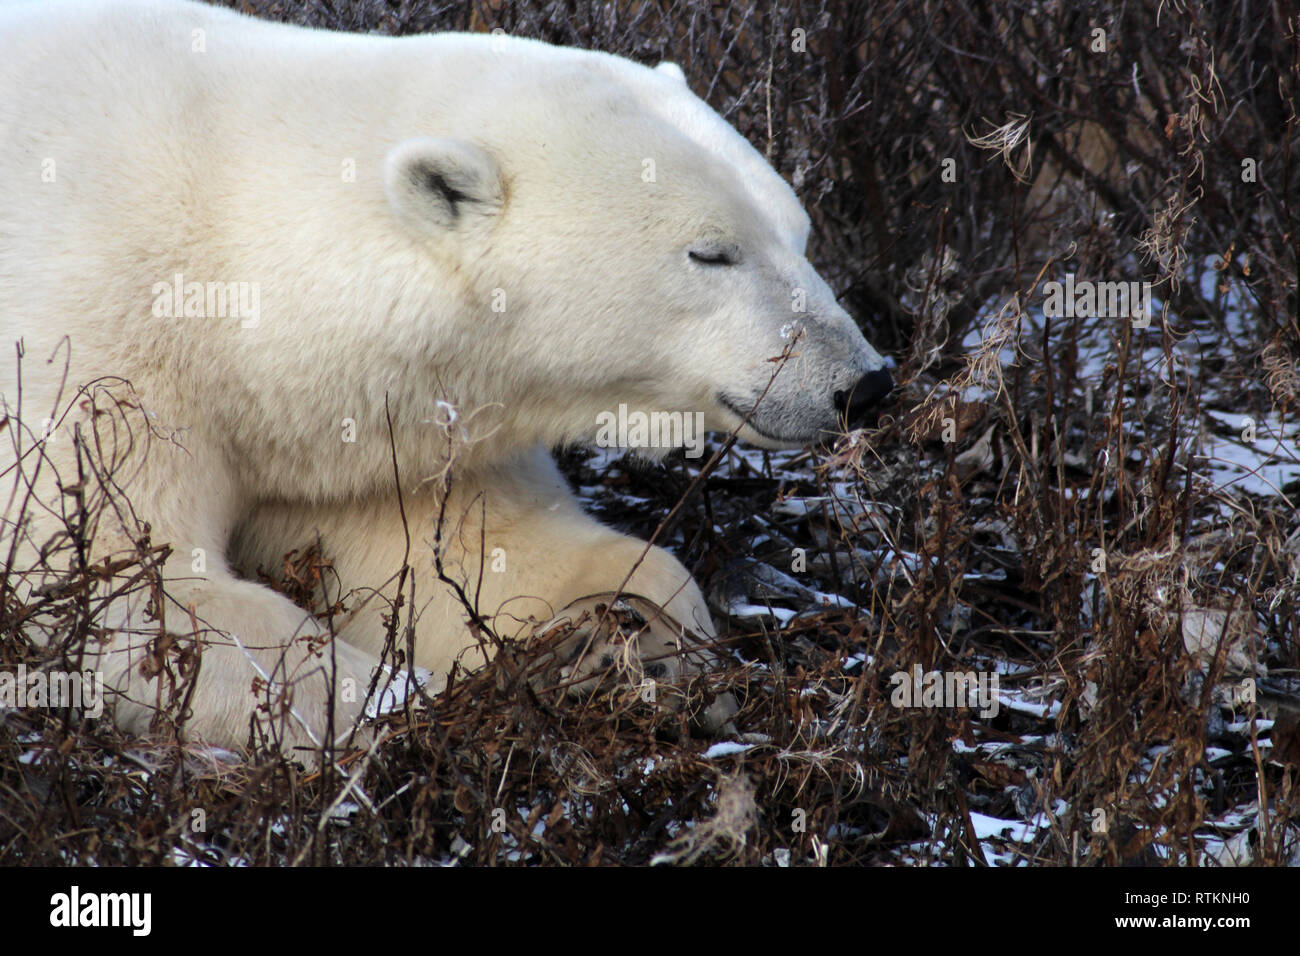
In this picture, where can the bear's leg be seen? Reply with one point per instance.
(512, 539)
(262, 661)
(535, 532)
(257, 654)
(540, 556)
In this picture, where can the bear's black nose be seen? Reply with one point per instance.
(864, 396)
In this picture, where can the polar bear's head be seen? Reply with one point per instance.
(615, 243)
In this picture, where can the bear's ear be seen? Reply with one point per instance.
(439, 185)
(669, 68)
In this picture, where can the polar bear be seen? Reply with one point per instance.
(265, 278)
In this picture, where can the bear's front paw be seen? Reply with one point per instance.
(602, 644)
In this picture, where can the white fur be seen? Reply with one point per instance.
(497, 273)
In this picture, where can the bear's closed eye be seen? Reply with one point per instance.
(712, 258)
